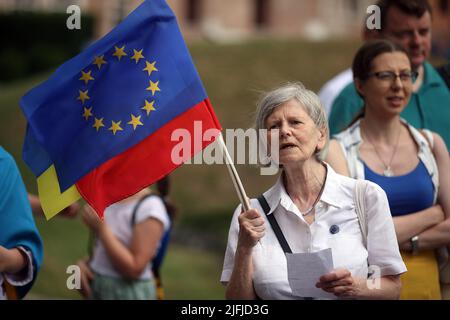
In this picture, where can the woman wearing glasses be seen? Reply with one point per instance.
(412, 166)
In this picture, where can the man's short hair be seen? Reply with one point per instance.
(415, 8)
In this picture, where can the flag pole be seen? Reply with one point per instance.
(234, 176)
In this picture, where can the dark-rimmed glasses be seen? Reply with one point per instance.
(391, 76)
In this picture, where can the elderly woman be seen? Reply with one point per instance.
(407, 163)
(314, 208)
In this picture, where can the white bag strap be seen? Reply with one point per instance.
(359, 198)
(428, 135)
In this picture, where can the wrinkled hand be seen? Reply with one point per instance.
(340, 282)
(251, 228)
(91, 219)
(86, 277)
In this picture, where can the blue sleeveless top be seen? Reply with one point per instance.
(408, 193)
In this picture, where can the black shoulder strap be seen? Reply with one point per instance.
(136, 207)
(444, 71)
(273, 222)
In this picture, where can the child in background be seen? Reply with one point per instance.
(126, 243)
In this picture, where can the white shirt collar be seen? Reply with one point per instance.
(333, 190)
(278, 195)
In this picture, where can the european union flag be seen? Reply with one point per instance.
(103, 121)
(111, 96)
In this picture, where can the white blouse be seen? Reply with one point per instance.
(335, 211)
(118, 216)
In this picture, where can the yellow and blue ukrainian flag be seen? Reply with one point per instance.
(100, 125)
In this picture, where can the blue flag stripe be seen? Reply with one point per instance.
(78, 121)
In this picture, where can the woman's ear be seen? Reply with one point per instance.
(323, 136)
(359, 85)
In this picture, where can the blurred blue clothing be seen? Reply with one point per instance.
(17, 227)
(407, 193)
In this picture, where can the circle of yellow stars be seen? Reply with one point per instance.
(99, 62)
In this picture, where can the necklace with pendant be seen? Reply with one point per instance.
(308, 211)
(387, 172)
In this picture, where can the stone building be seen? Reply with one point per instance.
(234, 20)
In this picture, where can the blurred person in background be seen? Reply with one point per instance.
(412, 166)
(129, 243)
(20, 243)
(69, 212)
(332, 88)
(407, 23)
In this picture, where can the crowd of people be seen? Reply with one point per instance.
(365, 171)
(388, 118)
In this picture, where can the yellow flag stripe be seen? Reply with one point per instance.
(52, 200)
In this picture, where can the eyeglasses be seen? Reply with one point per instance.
(390, 76)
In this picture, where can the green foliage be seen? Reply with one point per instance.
(37, 41)
(13, 63)
(188, 273)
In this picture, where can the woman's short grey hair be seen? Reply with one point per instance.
(306, 98)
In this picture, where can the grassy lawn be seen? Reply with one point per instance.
(233, 76)
(191, 273)
(188, 273)
(65, 241)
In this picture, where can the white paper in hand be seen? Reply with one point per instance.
(304, 271)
